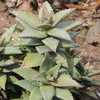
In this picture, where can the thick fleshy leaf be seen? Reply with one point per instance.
(68, 25)
(32, 33)
(46, 64)
(76, 74)
(25, 96)
(32, 60)
(6, 37)
(64, 94)
(59, 33)
(21, 24)
(13, 79)
(76, 60)
(61, 59)
(47, 92)
(7, 63)
(61, 15)
(1, 48)
(68, 44)
(53, 72)
(66, 81)
(43, 49)
(35, 94)
(63, 24)
(3, 79)
(27, 18)
(46, 12)
(73, 25)
(12, 50)
(27, 85)
(91, 94)
(52, 43)
(27, 73)
(27, 42)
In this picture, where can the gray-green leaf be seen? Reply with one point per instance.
(59, 33)
(27, 85)
(27, 18)
(64, 94)
(3, 79)
(47, 92)
(74, 24)
(61, 15)
(42, 49)
(27, 73)
(8, 34)
(35, 94)
(32, 33)
(66, 81)
(27, 42)
(52, 43)
(46, 64)
(11, 50)
(32, 60)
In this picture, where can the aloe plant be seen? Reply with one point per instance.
(37, 60)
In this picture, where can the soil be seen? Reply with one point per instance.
(5, 18)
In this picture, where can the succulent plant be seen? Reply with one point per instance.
(37, 60)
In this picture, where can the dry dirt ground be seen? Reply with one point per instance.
(4, 20)
(88, 39)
